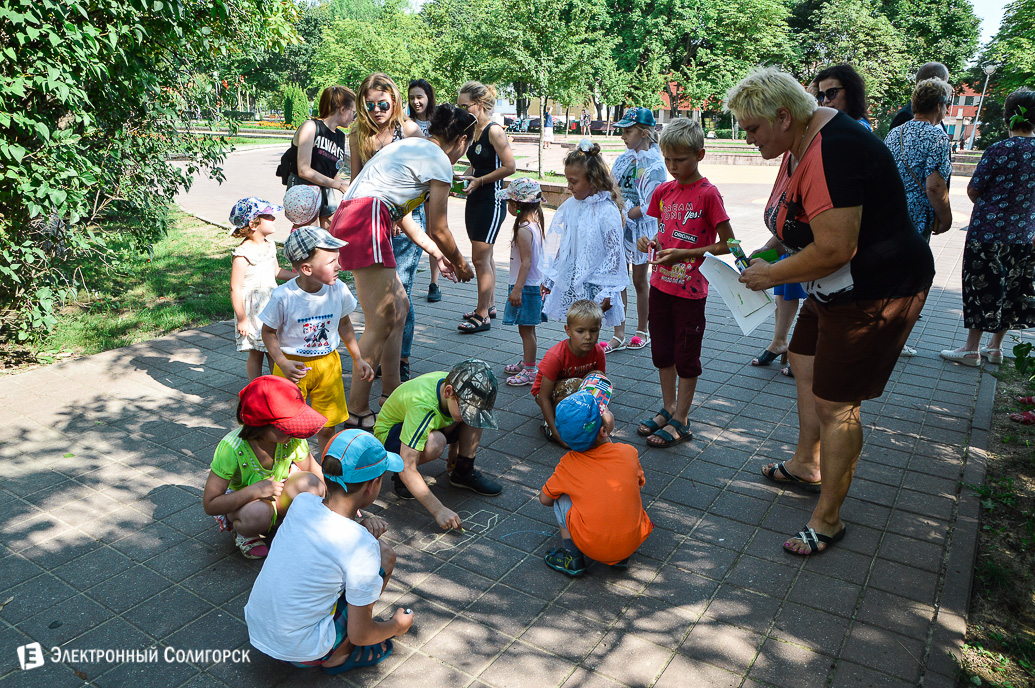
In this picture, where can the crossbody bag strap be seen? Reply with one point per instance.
(902, 145)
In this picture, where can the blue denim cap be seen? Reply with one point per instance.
(362, 457)
(636, 115)
(578, 420)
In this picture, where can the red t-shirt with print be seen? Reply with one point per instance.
(687, 217)
(559, 363)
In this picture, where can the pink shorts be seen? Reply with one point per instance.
(367, 225)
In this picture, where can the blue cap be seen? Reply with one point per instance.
(578, 420)
(636, 115)
(362, 457)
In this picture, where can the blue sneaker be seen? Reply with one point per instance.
(562, 560)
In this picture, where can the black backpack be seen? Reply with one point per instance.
(288, 164)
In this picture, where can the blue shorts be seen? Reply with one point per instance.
(531, 310)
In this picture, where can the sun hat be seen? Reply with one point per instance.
(636, 115)
(303, 241)
(271, 400)
(521, 190)
(247, 209)
(362, 457)
(475, 387)
(301, 203)
(578, 420)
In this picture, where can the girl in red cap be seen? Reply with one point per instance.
(258, 468)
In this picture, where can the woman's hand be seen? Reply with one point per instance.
(757, 275)
(515, 298)
(473, 183)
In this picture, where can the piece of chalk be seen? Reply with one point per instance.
(409, 611)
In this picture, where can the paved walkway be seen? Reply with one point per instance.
(105, 545)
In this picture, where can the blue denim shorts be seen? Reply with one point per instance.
(531, 310)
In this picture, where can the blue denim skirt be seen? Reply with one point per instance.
(531, 310)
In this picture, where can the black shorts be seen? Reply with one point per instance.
(394, 444)
(484, 219)
(676, 330)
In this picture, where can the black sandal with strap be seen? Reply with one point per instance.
(474, 323)
(652, 424)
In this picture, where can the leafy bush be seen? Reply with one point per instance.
(90, 93)
(296, 106)
(724, 133)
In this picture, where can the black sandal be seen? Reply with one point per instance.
(767, 357)
(473, 323)
(652, 425)
(360, 423)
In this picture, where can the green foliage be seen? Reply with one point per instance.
(1013, 51)
(90, 93)
(296, 106)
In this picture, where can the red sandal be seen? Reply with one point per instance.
(1027, 400)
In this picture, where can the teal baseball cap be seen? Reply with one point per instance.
(362, 457)
(636, 115)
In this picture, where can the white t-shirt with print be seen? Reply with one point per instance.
(316, 555)
(307, 324)
(400, 174)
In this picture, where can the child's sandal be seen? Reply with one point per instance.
(524, 378)
(514, 368)
(638, 341)
(611, 349)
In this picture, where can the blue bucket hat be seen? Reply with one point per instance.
(362, 457)
(636, 115)
(578, 420)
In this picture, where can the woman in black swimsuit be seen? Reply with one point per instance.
(492, 161)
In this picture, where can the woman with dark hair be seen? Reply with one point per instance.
(317, 152)
(421, 97)
(998, 257)
(842, 88)
(402, 176)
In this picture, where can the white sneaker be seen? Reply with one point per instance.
(967, 358)
(253, 548)
(908, 351)
(993, 355)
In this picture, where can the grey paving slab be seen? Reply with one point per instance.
(104, 540)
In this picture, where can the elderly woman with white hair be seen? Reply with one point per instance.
(838, 208)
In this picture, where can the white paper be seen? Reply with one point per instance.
(749, 308)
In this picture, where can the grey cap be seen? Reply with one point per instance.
(303, 241)
(475, 387)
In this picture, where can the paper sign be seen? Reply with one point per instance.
(749, 308)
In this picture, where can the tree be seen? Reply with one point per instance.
(944, 31)
(91, 93)
(854, 31)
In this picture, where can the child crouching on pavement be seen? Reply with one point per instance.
(570, 360)
(259, 468)
(312, 603)
(595, 489)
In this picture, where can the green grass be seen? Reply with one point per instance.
(184, 283)
(238, 141)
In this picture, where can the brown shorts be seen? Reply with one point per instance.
(676, 330)
(855, 344)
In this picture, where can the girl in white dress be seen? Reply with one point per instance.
(254, 273)
(584, 251)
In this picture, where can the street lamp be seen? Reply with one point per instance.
(989, 69)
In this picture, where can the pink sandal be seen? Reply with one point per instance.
(514, 368)
(522, 379)
(638, 342)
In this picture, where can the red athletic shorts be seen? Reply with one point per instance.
(367, 225)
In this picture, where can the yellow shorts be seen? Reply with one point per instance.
(322, 386)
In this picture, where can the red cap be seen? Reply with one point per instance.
(271, 400)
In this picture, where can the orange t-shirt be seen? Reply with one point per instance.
(606, 521)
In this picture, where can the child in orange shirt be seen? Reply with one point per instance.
(595, 489)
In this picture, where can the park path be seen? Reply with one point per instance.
(104, 545)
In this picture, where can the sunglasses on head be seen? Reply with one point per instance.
(829, 94)
(382, 105)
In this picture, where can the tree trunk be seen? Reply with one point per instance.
(542, 129)
(567, 122)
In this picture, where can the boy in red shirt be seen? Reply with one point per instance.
(692, 221)
(573, 359)
(595, 489)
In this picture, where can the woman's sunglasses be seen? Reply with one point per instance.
(828, 94)
(382, 105)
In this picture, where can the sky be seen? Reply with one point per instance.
(991, 13)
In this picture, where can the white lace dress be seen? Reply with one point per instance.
(584, 258)
(638, 173)
(259, 282)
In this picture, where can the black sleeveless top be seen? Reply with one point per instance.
(328, 150)
(483, 158)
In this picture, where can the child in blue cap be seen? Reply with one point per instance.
(312, 603)
(595, 489)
